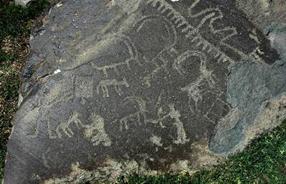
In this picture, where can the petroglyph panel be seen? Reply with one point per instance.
(143, 82)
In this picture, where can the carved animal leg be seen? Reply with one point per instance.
(123, 123)
(59, 135)
(79, 124)
(144, 117)
(181, 137)
(65, 129)
(211, 82)
(161, 124)
(68, 131)
(161, 120)
(138, 118)
(120, 125)
(128, 64)
(50, 132)
(105, 91)
(118, 89)
(105, 72)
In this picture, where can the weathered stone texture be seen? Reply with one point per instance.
(114, 87)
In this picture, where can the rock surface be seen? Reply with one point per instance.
(146, 86)
(22, 2)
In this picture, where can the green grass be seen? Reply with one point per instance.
(13, 21)
(15, 25)
(263, 161)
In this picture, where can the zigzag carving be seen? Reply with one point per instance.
(212, 14)
(187, 29)
(191, 32)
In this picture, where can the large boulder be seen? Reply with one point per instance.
(145, 86)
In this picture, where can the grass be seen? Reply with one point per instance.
(15, 26)
(263, 161)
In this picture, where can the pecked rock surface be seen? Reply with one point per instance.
(146, 86)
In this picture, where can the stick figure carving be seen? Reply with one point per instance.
(194, 89)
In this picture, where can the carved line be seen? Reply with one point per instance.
(104, 84)
(213, 17)
(133, 57)
(98, 127)
(169, 27)
(193, 89)
(64, 128)
(181, 134)
(177, 64)
(147, 79)
(217, 100)
(175, 115)
(45, 158)
(189, 30)
(137, 116)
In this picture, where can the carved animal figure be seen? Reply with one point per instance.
(136, 117)
(104, 84)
